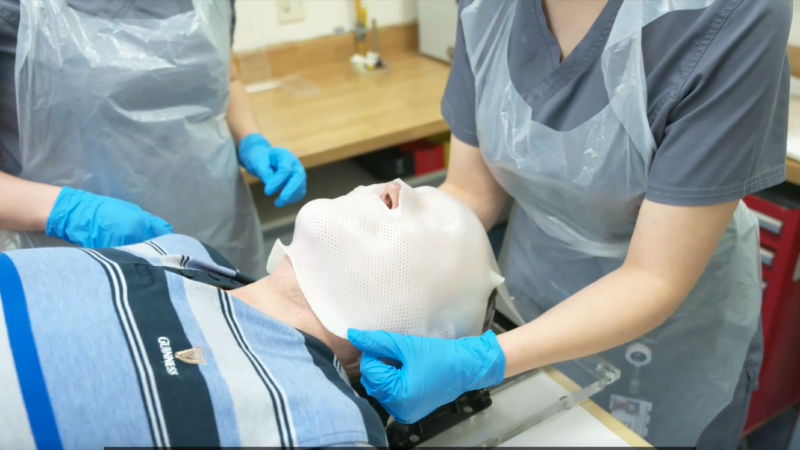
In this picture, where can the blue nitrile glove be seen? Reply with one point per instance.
(434, 371)
(95, 221)
(277, 168)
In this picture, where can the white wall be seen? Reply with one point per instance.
(794, 35)
(257, 20)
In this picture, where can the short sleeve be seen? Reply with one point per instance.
(726, 133)
(458, 104)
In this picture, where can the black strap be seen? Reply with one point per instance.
(217, 280)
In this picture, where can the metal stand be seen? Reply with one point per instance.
(466, 406)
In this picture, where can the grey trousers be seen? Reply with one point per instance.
(725, 430)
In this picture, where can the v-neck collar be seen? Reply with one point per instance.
(560, 73)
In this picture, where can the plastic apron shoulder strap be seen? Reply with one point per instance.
(623, 65)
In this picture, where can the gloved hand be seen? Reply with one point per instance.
(95, 221)
(434, 371)
(277, 168)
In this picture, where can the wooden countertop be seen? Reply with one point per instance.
(793, 171)
(354, 114)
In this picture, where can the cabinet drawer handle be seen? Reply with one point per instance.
(768, 223)
(767, 257)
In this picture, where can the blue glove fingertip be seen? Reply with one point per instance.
(375, 367)
(354, 336)
(366, 341)
(295, 189)
(379, 380)
(275, 182)
(282, 200)
(159, 227)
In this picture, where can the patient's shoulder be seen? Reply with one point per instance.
(180, 246)
(174, 250)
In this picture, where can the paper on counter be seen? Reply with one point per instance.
(576, 428)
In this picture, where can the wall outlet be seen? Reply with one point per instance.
(290, 11)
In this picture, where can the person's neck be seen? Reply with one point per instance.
(279, 296)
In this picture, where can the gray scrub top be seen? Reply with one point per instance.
(717, 82)
(9, 25)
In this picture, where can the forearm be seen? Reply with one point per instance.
(470, 182)
(616, 309)
(241, 118)
(669, 251)
(25, 205)
(487, 210)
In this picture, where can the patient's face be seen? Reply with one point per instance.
(390, 257)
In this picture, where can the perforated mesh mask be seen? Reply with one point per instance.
(425, 268)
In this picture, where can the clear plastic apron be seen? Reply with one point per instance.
(135, 110)
(577, 195)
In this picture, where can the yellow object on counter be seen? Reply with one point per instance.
(360, 31)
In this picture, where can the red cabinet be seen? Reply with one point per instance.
(778, 210)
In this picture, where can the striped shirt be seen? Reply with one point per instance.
(134, 347)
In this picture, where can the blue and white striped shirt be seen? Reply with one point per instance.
(125, 347)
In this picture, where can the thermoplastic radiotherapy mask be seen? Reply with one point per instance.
(423, 268)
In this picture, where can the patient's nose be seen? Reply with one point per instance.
(391, 195)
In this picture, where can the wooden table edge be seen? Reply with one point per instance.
(616, 427)
(792, 171)
(367, 145)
